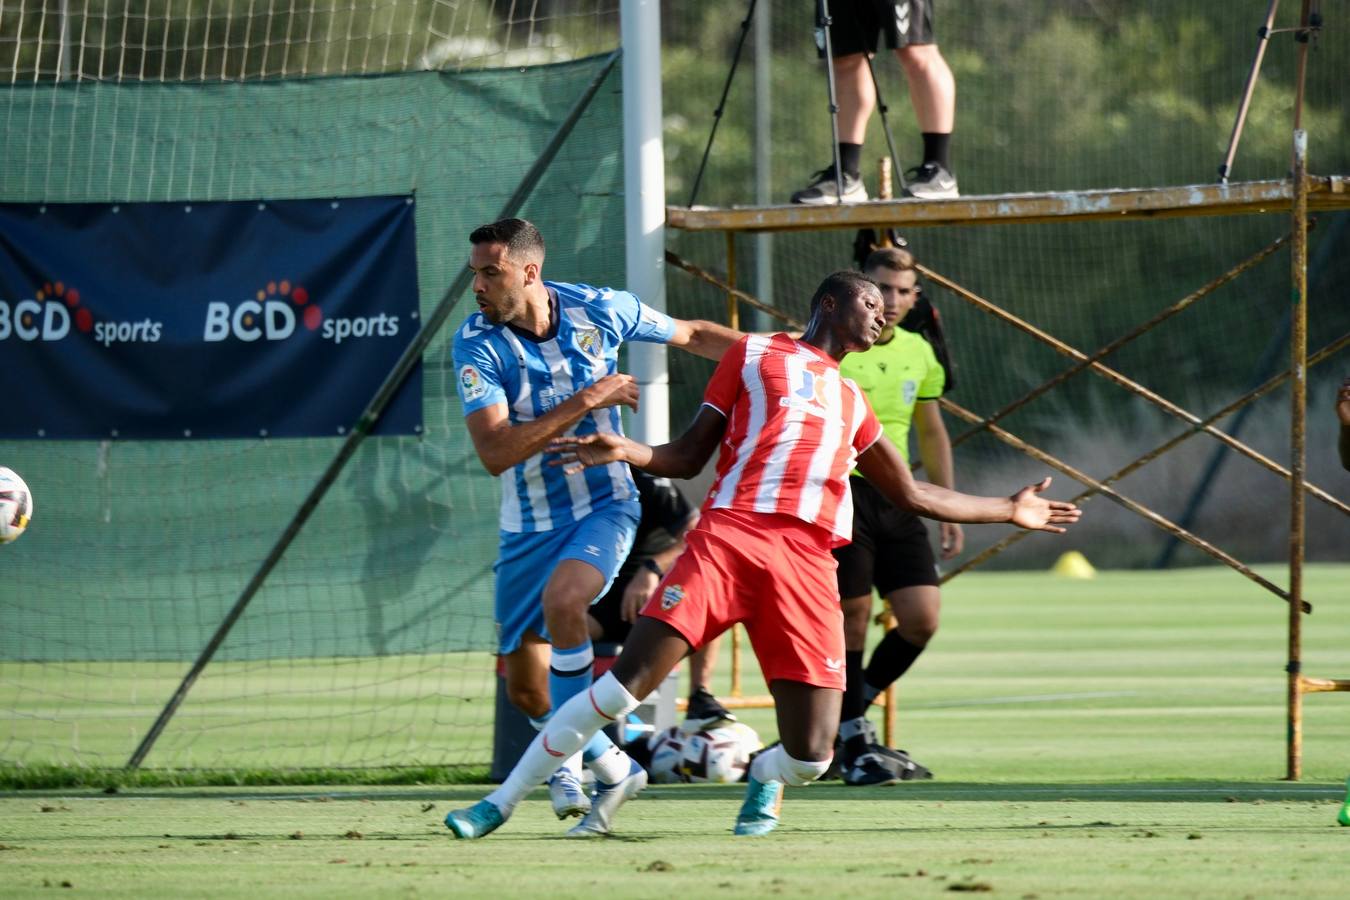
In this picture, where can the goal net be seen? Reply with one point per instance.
(370, 644)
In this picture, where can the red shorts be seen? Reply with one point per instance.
(773, 573)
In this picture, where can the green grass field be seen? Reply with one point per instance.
(1116, 737)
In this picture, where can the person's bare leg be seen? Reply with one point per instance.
(807, 716)
(652, 650)
(856, 96)
(932, 87)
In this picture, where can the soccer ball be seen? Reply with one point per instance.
(667, 749)
(719, 755)
(16, 505)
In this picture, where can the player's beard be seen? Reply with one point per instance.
(508, 310)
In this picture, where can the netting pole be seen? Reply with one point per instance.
(410, 358)
(1297, 454)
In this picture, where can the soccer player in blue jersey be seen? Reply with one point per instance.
(539, 360)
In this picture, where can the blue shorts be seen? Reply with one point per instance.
(527, 559)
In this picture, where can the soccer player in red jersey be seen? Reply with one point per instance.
(790, 428)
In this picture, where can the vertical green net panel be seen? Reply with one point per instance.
(370, 645)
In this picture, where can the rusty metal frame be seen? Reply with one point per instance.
(1298, 192)
(1297, 196)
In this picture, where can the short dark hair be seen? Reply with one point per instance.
(522, 239)
(842, 285)
(897, 259)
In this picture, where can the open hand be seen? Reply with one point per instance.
(1035, 513)
(614, 390)
(577, 453)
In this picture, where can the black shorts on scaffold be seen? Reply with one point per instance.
(857, 24)
(890, 548)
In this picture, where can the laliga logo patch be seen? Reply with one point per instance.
(671, 596)
(590, 342)
(471, 384)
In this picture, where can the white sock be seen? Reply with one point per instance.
(777, 765)
(567, 731)
(612, 766)
(573, 763)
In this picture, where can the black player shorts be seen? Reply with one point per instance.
(890, 548)
(608, 610)
(855, 25)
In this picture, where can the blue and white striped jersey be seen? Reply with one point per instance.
(499, 364)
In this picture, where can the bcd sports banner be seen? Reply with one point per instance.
(205, 320)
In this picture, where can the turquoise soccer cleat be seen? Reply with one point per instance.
(606, 802)
(477, 821)
(759, 812)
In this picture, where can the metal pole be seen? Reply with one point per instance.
(823, 22)
(644, 206)
(763, 158)
(1298, 390)
(410, 358)
(1264, 34)
(722, 104)
(63, 55)
(733, 310)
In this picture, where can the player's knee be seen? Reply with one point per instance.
(918, 632)
(798, 772)
(528, 699)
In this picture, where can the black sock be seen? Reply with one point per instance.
(850, 157)
(853, 732)
(937, 149)
(891, 659)
(854, 705)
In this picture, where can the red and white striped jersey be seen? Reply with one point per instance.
(794, 428)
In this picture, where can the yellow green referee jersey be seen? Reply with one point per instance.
(895, 376)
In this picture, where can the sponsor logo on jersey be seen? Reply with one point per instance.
(834, 665)
(811, 395)
(471, 384)
(672, 595)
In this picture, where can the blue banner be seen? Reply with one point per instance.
(205, 320)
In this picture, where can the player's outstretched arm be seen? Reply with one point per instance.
(704, 338)
(882, 466)
(501, 445)
(683, 457)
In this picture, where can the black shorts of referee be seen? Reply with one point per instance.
(890, 548)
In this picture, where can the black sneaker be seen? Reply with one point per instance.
(870, 769)
(824, 191)
(931, 181)
(899, 762)
(704, 710)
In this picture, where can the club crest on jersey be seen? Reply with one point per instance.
(672, 595)
(471, 384)
(590, 342)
